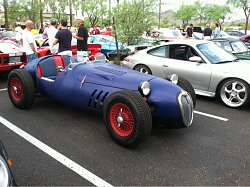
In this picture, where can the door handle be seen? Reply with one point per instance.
(165, 66)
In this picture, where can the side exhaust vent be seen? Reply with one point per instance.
(90, 99)
(96, 100)
(103, 98)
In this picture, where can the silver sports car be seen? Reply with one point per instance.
(210, 69)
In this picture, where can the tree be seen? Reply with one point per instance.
(185, 13)
(200, 9)
(245, 5)
(5, 6)
(220, 13)
(165, 21)
(95, 9)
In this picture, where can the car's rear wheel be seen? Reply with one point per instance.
(21, 88)
(234, 93)
(127, 118)
(143, 69)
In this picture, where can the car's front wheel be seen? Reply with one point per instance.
(21, 88)
(234, 93)
(127, 118)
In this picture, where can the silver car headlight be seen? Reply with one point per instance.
(4, 174)
(173, 78)
(144, 88)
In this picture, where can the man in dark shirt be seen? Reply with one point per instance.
(63, 37)
(82, 40)
(189, 32)
(207, 33)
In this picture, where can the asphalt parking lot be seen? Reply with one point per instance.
(51, 144)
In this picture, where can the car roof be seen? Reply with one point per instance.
(230, 39)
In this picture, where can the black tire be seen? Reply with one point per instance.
(136, 117)
(183, 83)
(234, 93)
(21, 88)
(143, 69)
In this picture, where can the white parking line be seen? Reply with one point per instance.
(3, 89)
(211, 116)
(56, 155)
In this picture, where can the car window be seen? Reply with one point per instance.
(225, 45)
(8, 34)
(104, 40)
(91, 39)
(215, 54)
(159, 51)
(239, 47)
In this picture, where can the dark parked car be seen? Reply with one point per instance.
(233, 46)
(6, 176)
(235, 33)
(246, 40)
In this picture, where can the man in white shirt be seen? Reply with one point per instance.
(51, 35)
(29, 42)
(19, 32)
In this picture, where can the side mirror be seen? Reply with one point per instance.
(195, 59)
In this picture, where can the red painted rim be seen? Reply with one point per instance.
(126, 128)
(16, 84)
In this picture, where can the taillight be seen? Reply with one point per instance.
(99, 49)
(126, 59)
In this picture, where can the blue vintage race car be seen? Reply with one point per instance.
(130, 101)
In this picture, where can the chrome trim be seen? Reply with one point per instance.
(205, 93)
(187, 108)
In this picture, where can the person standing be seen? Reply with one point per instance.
(189, 32)
(63, 37)
(29, 42)
(96, 31)
(19, 32)
(45, 31)
(51, 36)
(82, 40)
(148, 32)
(216, 31)
(207, 33)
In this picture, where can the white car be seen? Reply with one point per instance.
(211, 70)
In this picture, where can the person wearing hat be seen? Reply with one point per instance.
(189, 32)
(19, 32)
(82, 40)
(95, 31)
(45, 31)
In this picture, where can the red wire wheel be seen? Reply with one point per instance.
(16, 89)
(121, 119)
(21, 88)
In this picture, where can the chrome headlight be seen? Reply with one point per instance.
(144, 88)
(173, 78)
(4, 174)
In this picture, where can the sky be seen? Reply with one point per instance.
(175, 4)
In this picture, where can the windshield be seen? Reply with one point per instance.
(239, 47)
(8, 34)
(177, 33)
(215, 54)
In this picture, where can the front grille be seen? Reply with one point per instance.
(186, 107)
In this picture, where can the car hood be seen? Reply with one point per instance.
(110, 75)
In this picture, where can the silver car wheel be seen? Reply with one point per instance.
(143, 69)
(234, 93)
